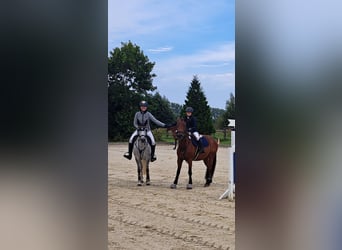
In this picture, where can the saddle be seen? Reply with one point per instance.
(142, 128)
(147, 137)
(204, 141)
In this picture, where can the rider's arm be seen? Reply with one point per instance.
(193, 124)
(155, 121)
(135, 121)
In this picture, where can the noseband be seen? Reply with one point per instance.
(142, 142)
(180, 135)
(142, 133)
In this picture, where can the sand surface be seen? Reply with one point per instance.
(160, 218)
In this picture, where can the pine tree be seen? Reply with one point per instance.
(196, 99)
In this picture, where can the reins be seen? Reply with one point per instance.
(139, 142)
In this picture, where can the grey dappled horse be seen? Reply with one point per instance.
(142, 154)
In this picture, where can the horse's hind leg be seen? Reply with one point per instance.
(208, 174)
(147, 174)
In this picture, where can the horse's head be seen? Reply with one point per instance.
(142, 133)
(179, 129)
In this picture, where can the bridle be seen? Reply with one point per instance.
(181, 134)
(142, 133)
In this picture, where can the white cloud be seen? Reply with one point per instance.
(129, 19)
(156, 25)
(159, 50)
(218, 81)
(221, 56)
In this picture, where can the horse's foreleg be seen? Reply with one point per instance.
(189, 186)
(179, 163)
(147, 173)
(139, 170)
(175, 146)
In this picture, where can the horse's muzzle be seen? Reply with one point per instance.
(180, 135)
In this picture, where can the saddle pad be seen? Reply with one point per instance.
(203, 140)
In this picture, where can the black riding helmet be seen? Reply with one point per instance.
(143, 104)
(189, 109)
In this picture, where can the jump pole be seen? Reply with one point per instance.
(229, 193)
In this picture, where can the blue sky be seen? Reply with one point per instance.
(184, 38)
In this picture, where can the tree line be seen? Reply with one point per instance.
(130, 80)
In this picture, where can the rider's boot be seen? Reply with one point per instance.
(200, 146)
(153, 148)
(128, 155)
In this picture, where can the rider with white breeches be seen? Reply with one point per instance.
(142, 119)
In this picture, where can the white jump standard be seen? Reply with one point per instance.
(229, 193)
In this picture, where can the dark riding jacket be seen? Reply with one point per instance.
(142, 119)
(191, 124)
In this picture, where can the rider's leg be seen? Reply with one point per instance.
(153, 146)
(128, 154)
(200, 146)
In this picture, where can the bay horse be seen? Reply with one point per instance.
(188, 152)
(142, 154)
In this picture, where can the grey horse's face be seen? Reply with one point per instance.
(142, 134)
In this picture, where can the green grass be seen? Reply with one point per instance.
(223, 141)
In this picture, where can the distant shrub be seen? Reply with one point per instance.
(158, 133)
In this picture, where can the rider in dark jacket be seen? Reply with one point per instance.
(191, 125)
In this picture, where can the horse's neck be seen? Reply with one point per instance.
(141, 145)
(184, 143)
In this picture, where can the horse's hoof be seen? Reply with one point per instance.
(207, 185)
(139, 184)
(189, 186)
(148, 183)
(173, 186)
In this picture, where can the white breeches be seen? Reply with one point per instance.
(196, 134)
(149, 134)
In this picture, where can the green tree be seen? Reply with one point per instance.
(128, 65)
(176, 109)
(120, 111)
(230, 107)
(229, 113)
(160, 107)
(129, 80)
(195, 98)
(216, 113)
